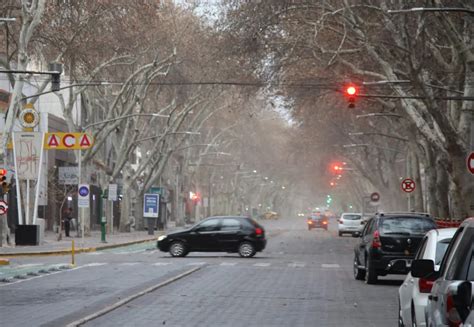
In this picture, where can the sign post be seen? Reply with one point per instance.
(151, 206)
(83, 202)
(3, 212)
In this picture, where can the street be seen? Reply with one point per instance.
(302, 278)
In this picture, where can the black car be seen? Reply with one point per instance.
(317, 220)
(386, 239)
(216, 234)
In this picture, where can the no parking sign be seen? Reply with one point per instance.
(3, 207)
(83, 196)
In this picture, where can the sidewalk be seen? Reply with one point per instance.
(51, 246)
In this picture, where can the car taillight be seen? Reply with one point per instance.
(425, 285)
(258, 231)
(310, 222)
(341, 221)
(325, 222)
(376, 241)
(454, 320)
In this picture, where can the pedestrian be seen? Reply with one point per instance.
(67, 221)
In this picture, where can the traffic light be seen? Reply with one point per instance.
(336, 167)
(195, 197)
(3, 181)
(55, 82)
(351, 91)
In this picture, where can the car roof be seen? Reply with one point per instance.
(442, 233)
(469, 222)
(351, 213)
(221, 217)
(404, 214)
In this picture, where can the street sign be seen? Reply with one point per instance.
(408, 185)
(68, 175)
(27, 150)
(151, 203)
(67, 141)
(375, 197)
(113, 192)
(83, 196)
(3, 207)
(470, 163)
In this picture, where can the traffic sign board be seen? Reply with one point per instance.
(151, 204)
(67, 141)
(408, 185)
(470, 163)
(83, 196)
(375, 197)
(113, 192)
(3, 207)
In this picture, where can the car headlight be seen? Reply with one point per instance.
(161, 238)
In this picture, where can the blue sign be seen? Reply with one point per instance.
(83, 191)
(151, 205)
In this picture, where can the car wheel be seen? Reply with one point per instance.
(370, 273)
(246, 250)
(177, 249)
(359, 274)
(400, 319)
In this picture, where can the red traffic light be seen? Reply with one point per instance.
(3, 171)
(351, 92)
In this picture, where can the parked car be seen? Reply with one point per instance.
(317, 220)
(350, 223)
(413, 293)
(242, 235)
(446, 305)
(470, 319)
(387, 238)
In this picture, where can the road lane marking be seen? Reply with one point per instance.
(199, 263)
(228, 263)
(130, 298)
(94, 253)
(330, 265)
(95, 264)
(262, 264)
(161, 264)
(129, 263)
(28, 265)
(297, 265)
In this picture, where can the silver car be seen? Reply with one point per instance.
(350, 223)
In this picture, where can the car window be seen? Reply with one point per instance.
(470, 274)
(460, 263)
(441, 248)
(230, 224)
(208, 225)
(403, 225)
(422, 248)
(352, 217)
(452, 245)
(368, 227)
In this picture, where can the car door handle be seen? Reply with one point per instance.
(432, 297)
(411, 281)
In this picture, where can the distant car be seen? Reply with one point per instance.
(387, 238)
(413, 294)
(445, 306)
(350, 223)
(317, 220)
(231, 234)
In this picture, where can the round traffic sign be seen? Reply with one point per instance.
(408, 185)
(470, 163)
(3, 207)
(375, 197)
(83, 191)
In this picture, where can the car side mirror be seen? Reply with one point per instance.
(356, 234)
(422, 268)
(463, 299)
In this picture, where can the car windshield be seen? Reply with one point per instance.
(406, 225)
(441, 248)
(317, 217)
(351, 217)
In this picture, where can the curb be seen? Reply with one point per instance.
(4, 262)
(77, 250)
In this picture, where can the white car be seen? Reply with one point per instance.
(456, 268)
(413, 294)
(350, 223)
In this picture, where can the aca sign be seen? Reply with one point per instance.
(67, 141)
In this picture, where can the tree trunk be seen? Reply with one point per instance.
(442, 187)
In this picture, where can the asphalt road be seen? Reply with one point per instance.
(303, 278)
